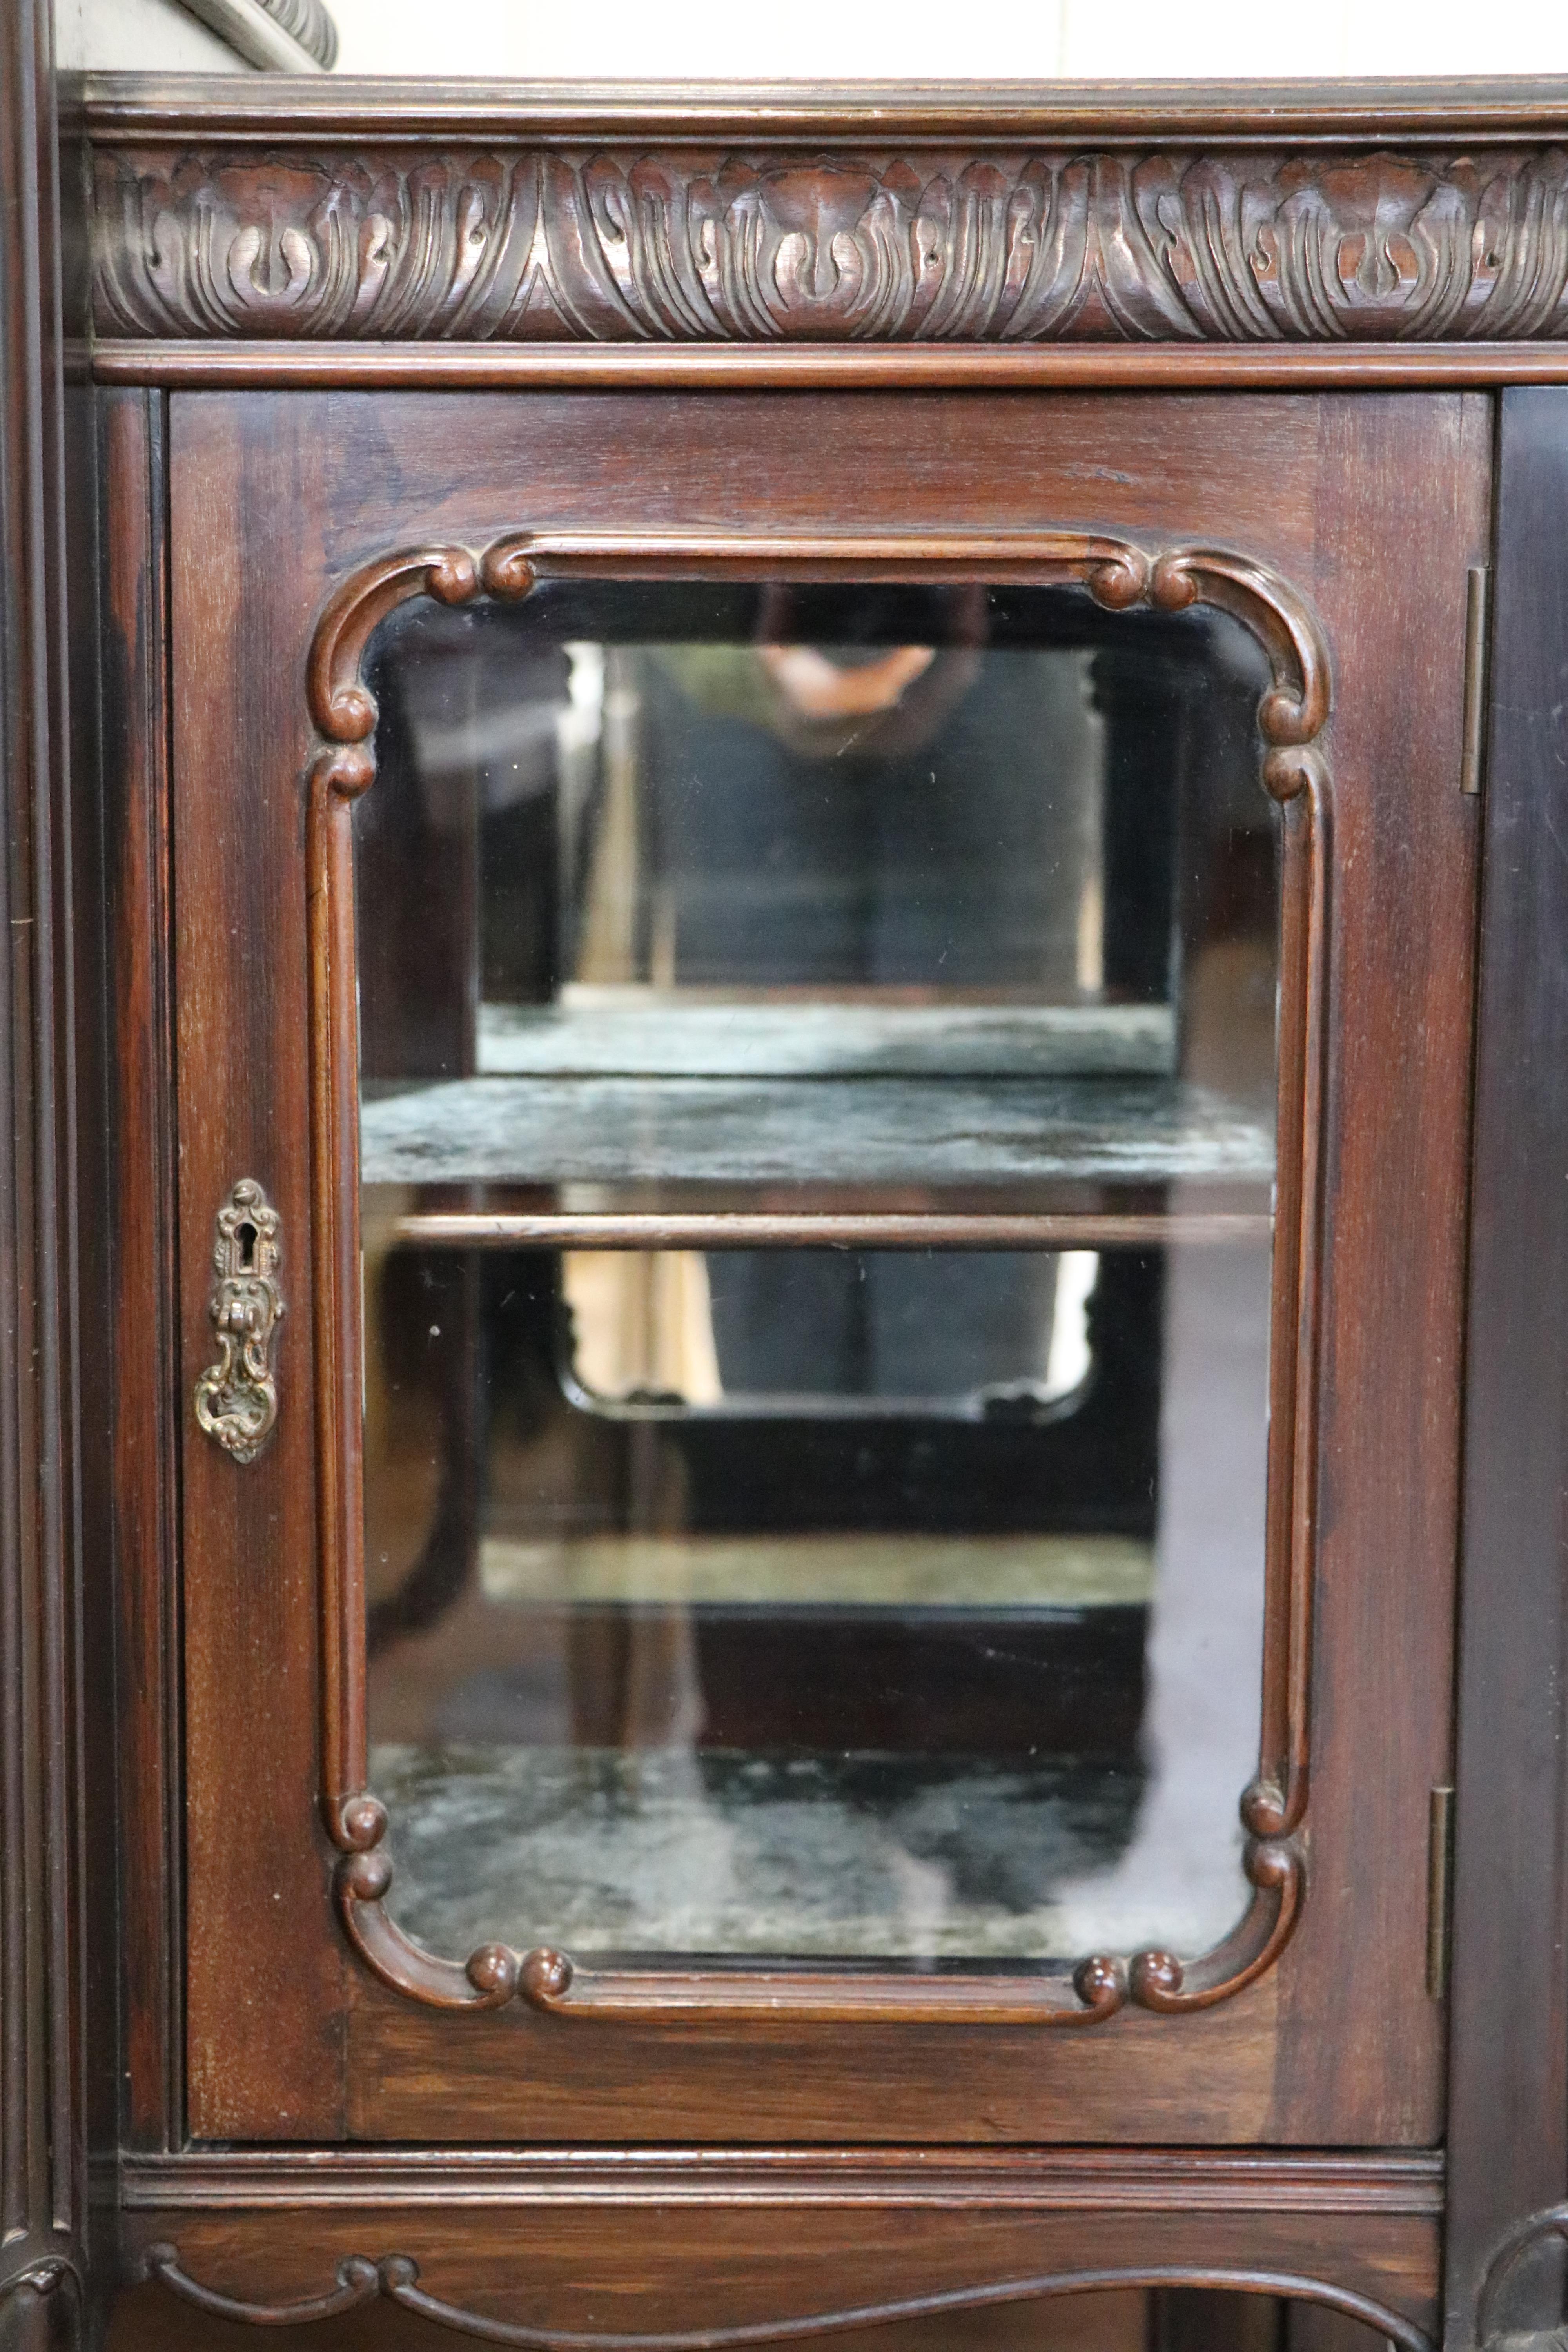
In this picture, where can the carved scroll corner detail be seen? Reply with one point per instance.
(1292, 713)
(1492, 2333)
(491, 1976)
(236, 1397)
(356, 2280)
(397, 2277)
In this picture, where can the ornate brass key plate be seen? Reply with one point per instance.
(236, 1398)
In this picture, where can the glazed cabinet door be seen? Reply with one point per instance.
(822, 1050)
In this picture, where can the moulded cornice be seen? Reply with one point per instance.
(1430, 113)
(910, 224)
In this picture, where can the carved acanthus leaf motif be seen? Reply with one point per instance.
(677, 247)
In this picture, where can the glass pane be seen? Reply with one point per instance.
(731, 1594)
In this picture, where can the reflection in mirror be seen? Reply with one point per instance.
(732, 1597)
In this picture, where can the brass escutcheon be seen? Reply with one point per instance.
(236, 1398)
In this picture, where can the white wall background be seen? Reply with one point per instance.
(836, 40)
(136, 36)
(936, 40)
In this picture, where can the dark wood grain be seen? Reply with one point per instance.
(1358, 255)
(399, 2279)
(140, 1071)
(95, 1176)
(903, 237)
(1291, 716)
(1473, 111)
(1035, 2179)
(769, 2196)
(264, 1994)
(1387, 1478)
(691, 2272)
(1510, 2057)
(42, 1982)
(1373, 508)
(201, 365)
(148, 2319)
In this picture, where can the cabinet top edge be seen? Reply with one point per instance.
(279, 109)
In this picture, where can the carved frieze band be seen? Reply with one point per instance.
(680, 247)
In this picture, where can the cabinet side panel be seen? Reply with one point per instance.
(1510, 2108)
(141, 1112)
(265, 1975)
(1403, 512)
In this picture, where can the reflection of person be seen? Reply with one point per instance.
(818, 688)
(915, 817)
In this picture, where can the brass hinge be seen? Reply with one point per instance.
(1477, 601)
(1439, 1889)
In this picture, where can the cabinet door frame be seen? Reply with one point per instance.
(1292, 714)
(277, 500)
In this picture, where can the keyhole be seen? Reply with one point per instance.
(246, 1237)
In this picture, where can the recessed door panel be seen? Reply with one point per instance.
(862, 1072)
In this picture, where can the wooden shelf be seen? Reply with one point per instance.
(915, 1132)
(729, 1229)
(631, 1032)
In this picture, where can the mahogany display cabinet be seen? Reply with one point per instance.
(790, 1200)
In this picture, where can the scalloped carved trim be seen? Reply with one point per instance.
(1535, 2230)
(397, 2276)
(1291, 717)
(32, 2318)
(690, 248)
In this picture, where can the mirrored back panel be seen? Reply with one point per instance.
(818, 1117)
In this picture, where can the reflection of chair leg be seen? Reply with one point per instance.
(598, 1642)
(633, 1669)
(633, 1677)
(435, 1295)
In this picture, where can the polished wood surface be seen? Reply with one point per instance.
(1375, 508)
(1510, 2051)
(51, 1983)
(718, 2274)
(583, 218)
(1473, 110)
(1118, 2319)
(1330, 366)
(135, 619)
(247, 1535)
(526, 2167)
(1292, 714)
